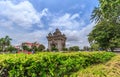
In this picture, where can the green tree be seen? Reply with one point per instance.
(65, 49)
(11, 49)
(26, 48)
(41, 47)
(74, 48)
(54, 49)
(95, 47)
(86, 48)
(1, 44)
(5, 42)
(71, 49)
(106, 32)
(35, 48)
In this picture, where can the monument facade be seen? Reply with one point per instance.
(56, 40)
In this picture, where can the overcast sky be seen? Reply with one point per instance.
(32, 20)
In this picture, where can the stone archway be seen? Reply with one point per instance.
(53, 45)
(56, 40)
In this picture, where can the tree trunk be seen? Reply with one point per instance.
(112, 49)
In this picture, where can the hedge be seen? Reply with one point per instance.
(49, 64)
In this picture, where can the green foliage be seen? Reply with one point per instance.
(74, 48)
(5, 43)
(65, 49)
(54, 49)
(106, 32)
(86, 48)
(49, 64)
(95, 47)
(41, 47)
(109, 69)
(34, 47)
(11, 49)
(26, 48)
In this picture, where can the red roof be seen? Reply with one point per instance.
(28, 43)
(26, 52)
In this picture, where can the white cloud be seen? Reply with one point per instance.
(78, 37)
(6, 24)
(16, 19)
(22, 14)
(44, 12)
(74, 16)
(67, 21)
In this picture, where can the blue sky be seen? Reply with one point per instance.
(32, 20)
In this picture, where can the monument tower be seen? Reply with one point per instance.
(56, 40)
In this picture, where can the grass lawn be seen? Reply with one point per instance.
(109, 69)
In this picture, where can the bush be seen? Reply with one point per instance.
(48, 64)
(108, 69)
(74, 48)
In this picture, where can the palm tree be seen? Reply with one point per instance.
(2, 44)
(5, 42)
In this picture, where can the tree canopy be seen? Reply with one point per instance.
(74, 48)
(4, 43)
(106, 33)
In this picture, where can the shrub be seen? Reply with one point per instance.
(48, 64)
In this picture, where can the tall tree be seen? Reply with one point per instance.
(106, 32)
(5, 42)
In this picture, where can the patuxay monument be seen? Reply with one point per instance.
(57, 40)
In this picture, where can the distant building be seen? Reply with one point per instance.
(18, 47)
(30, 45)
(57, 40)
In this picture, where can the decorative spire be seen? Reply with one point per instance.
(57, 29)
(57, 32)
(50, 34)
